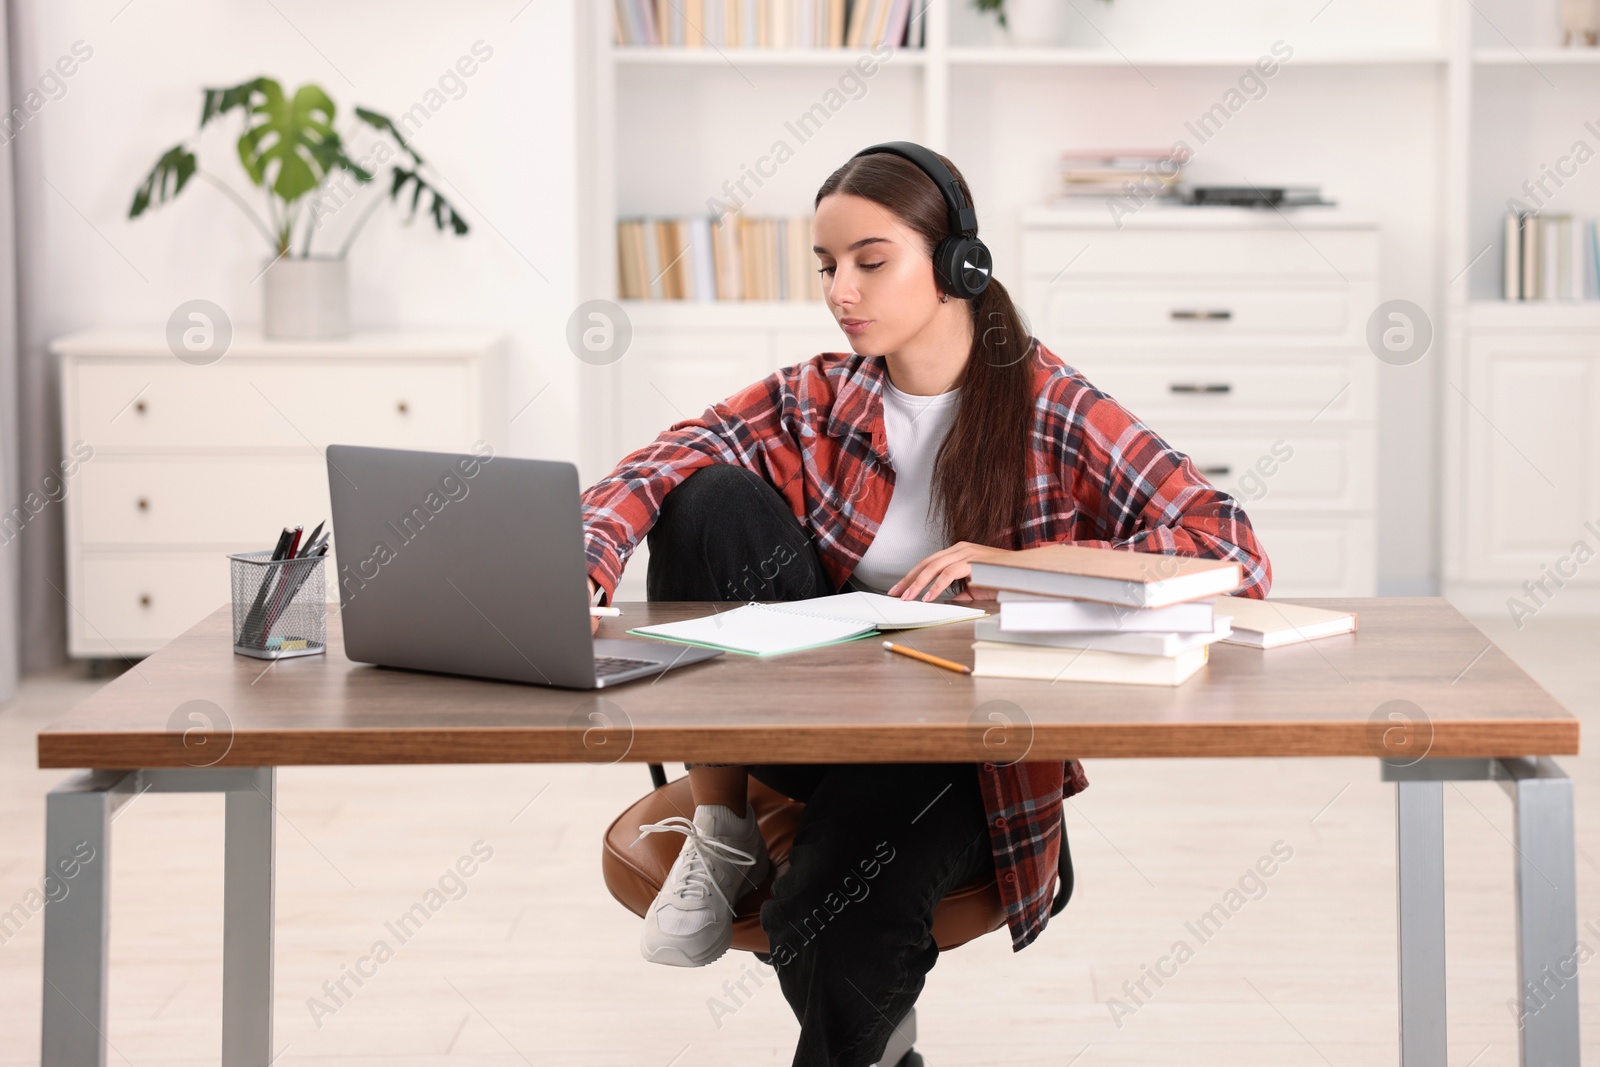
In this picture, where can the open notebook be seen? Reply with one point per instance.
(767, 628)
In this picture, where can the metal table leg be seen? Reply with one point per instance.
(77, 839)
(1419, 843)
(77, 864)
(247, 923)
(1547, 912)
(1547, 908)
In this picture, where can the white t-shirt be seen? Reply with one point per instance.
(916, 426)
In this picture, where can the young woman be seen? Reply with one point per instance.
(946, 435)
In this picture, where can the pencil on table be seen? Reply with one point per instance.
(949, 665)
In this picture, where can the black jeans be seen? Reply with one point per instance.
(850, 919)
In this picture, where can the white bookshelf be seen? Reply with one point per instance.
(1520, 389)
(1416, 115)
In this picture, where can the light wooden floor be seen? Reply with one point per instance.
(536, 964)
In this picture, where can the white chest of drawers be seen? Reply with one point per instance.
(1238, 336)
(191, 462)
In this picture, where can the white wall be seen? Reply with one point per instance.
(504, 139)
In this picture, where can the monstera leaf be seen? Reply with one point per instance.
(290, 141)
(289, 148)
(175, 167)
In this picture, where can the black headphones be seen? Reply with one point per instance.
(962, 262)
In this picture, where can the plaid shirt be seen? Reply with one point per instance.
(815, 432)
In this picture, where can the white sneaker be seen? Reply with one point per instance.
(690, 923)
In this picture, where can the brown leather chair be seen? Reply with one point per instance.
(634, 874)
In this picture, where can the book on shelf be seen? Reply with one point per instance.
(1120, 172)
(769, 23)
(1550, 257)
(702, 258)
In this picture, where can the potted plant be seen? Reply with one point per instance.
(290, 150)
(1027, 23)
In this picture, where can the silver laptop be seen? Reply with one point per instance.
(473, 565)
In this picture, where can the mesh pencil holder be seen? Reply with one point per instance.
(280, 607)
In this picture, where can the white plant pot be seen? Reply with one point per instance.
(306, 299)
(1033, 23)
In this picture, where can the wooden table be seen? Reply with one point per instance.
(1418, 688)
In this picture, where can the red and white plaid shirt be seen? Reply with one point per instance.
(815, 432)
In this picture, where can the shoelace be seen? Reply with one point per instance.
(695, 874)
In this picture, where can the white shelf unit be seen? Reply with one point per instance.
(1241, 343)
(1376, 105)
(1521, 379)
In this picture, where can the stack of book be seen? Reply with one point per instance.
(704, 258)
(1551, 257)
(1144, 173)
(770, 23)
(1085, 614)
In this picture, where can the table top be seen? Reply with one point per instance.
(1415, 679)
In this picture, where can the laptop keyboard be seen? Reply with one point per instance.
(605, 665)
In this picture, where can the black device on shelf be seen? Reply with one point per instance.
(1254, 196)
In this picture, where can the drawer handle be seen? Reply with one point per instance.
(402, 407)
(1199, 315)
(143, 503)
(1220, 470)
(144, 600)
(1201, 387)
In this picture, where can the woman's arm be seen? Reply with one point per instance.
(1140, 493)
(620, 508)
(1130, 489)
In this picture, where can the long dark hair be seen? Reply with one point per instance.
(980, 473)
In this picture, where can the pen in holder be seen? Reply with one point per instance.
(280, 607)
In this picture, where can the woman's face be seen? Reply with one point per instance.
(877, 275)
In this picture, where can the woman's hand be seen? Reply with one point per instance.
(594, 620)
(935, 573)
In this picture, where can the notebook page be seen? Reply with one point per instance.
(883, 612)
(757, 630)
